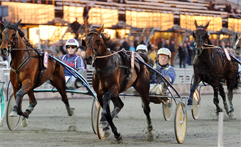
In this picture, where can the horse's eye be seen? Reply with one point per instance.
(13, 35)
(97, 41)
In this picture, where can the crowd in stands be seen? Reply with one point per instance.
(228, 8)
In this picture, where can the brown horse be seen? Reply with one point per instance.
(26, 70)
(111, 74)
(212, 66)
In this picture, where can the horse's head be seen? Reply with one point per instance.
(9, 37)
(93, 42)
(201, 36)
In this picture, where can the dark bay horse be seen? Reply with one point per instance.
(26, 68)
(112, 75)
(212, 66)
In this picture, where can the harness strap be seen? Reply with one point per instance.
(19, 68)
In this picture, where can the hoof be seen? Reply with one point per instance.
(13, 114)
(232, 115)
(118, 137)
(24, 122)
(70, 111)
(107, 133)
(103, 124)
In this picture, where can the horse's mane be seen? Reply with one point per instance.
(108, 42)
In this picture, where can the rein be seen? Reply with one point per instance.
(109, 54)
(210, 46)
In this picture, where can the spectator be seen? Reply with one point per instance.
(132, 48)
(121, 1)
(211, 6)
(228, 8)
(182, 54)
(75, 27)
(190, 53)
(144, 41)
(152, 55)
(166, 45)
(160, 44)
(81, 52)
(172, 49)
(86, 12)
(125, 45)
(136, 42)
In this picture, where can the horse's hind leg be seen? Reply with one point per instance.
(215, 100)
(118, 105)
(143, 89)
(58, 81)
(222, 93)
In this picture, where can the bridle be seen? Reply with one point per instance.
(10, 43)
(90, 44)
(199, 37)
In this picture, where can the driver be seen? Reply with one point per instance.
(72, 60)
(157, 86)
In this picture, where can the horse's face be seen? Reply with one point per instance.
(8, 36)
(93, 42)
(201, 36)
(8, 39)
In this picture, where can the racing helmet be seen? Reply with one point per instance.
(141, 47)
(72, 42)
(164, 51)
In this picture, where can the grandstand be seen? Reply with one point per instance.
(141, 17)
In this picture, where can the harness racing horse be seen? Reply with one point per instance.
(109, 77)
(26, 70)
(212, 66)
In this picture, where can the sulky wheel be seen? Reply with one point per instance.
(167, 109)
(196, 103)
(94, 115)
(100, 131)
(12, 122)
(180, 123)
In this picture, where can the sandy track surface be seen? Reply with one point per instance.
(49, 126)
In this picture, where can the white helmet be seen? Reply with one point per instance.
(72, 42)
(164, 51)
(141, 47)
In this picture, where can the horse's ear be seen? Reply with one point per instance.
(5, 23)
(86, 26)
(101, 29)
(196, 23)
(206, 25)
(15, 26)
(83, 43)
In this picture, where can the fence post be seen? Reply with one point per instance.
(220, 129)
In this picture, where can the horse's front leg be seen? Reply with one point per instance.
(193, 88)
(32, 103)
(106, 111)
(26, 87)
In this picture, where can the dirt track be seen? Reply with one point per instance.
(50, 126)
